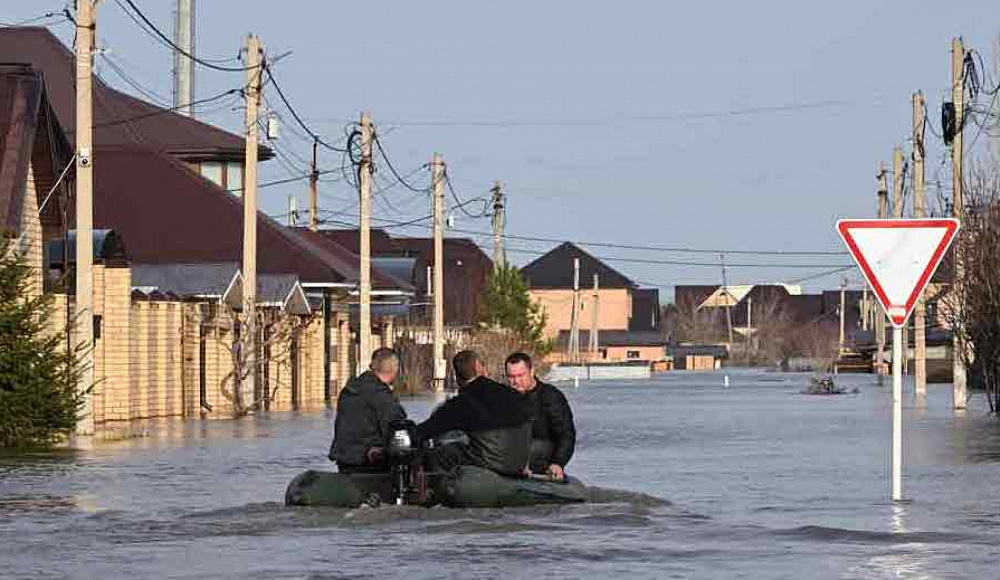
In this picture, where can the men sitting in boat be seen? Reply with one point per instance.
(494, 417)
(553, 434)
(365, 408)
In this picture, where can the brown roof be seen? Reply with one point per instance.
(168, 215)
(28, 132)
(466, 268)
(380, 280)
(155, 128)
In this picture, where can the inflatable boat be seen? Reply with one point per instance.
(463, 487)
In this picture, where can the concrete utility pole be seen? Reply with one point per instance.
(919, 211)
(365, 245)
(499, 222)
(729, 297)
(958, 208)
(749, 321)
(437, 182)
(843, 293)
(883, 213)
(184, 66)
(897, 213)
(574, 319)
(254, 74)
(293, 211)
(313, 191)
(594, 320)
(86, 25)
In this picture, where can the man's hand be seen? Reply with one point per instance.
(556, 472)
(374, 456)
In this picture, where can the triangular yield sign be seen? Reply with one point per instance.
(898, 257)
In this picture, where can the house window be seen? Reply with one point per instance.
(234, 178)
(212, 171)
(632, 354)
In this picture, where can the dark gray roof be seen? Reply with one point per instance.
(555, 270)
(207, 280)
(716, 350)
(615, 338)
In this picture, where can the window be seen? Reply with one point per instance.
(212, 171)
(234, 178)
(632, 354)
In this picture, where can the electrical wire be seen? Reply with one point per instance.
(161, 110)
(399, 178)
(35, 19)
(295, 115)
(148, 93)
(461, 205)
(156, 33)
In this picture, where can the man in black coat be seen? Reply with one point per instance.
(365, 408)
(553, 434)
(493, 416)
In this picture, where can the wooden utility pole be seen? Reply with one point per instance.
(313, 191)
(86, 22)
(438, 183)
(183, 65)
(499, 222)
(919, 211)
(365, 245)
(958, 208)
(897, 213)
(594, 320)
(254, 74)
(574, 317)
(883, 213)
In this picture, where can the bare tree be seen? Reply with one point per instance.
(772, 331)
(698, 325)
(818, 342)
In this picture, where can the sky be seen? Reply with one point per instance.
(712, 126)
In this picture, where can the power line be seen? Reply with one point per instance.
(295, 114)
(148, 93)
(161, 110)
(461, 205)
(157, 33)
(45, 16)
(399, 178)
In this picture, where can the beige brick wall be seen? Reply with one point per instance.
(613, 314)
(30, 234)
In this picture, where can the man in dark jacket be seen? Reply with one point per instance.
(493, 416)
(553, 434)
(365, 408)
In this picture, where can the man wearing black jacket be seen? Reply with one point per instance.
(493, 416)
(553, 434)
(365, 408)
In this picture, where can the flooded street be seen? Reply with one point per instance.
(756, 481)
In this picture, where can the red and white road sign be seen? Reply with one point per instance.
(898, 257)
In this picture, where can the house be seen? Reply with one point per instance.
(615, 346)
(466, 271)
(621, 304)
(154, 194)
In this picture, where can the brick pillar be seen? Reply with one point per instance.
(388, 331)
(190, 358)
(344, 368)
(115, 314)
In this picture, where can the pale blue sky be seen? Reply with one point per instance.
(589, 112)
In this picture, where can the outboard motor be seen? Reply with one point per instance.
(402, 449)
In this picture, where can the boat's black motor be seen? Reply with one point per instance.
(402, 452)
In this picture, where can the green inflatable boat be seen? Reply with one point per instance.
(464, 487)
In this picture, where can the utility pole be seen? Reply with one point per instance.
(365, 245)
(749, 321)
(843, 293)
(499, 222)
(574, 320)
(313, 192)
(594, 321)
(919, 211)
(958, 208)
(254, 74)
(883, 213)
(86, 25)
(183, 66)
(897, 213)
(729, 298)
(437, 181)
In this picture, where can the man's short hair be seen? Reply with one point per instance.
(465, 365)
(518, 357)
(384, 361)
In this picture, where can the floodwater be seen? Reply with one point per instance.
(751, 481)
